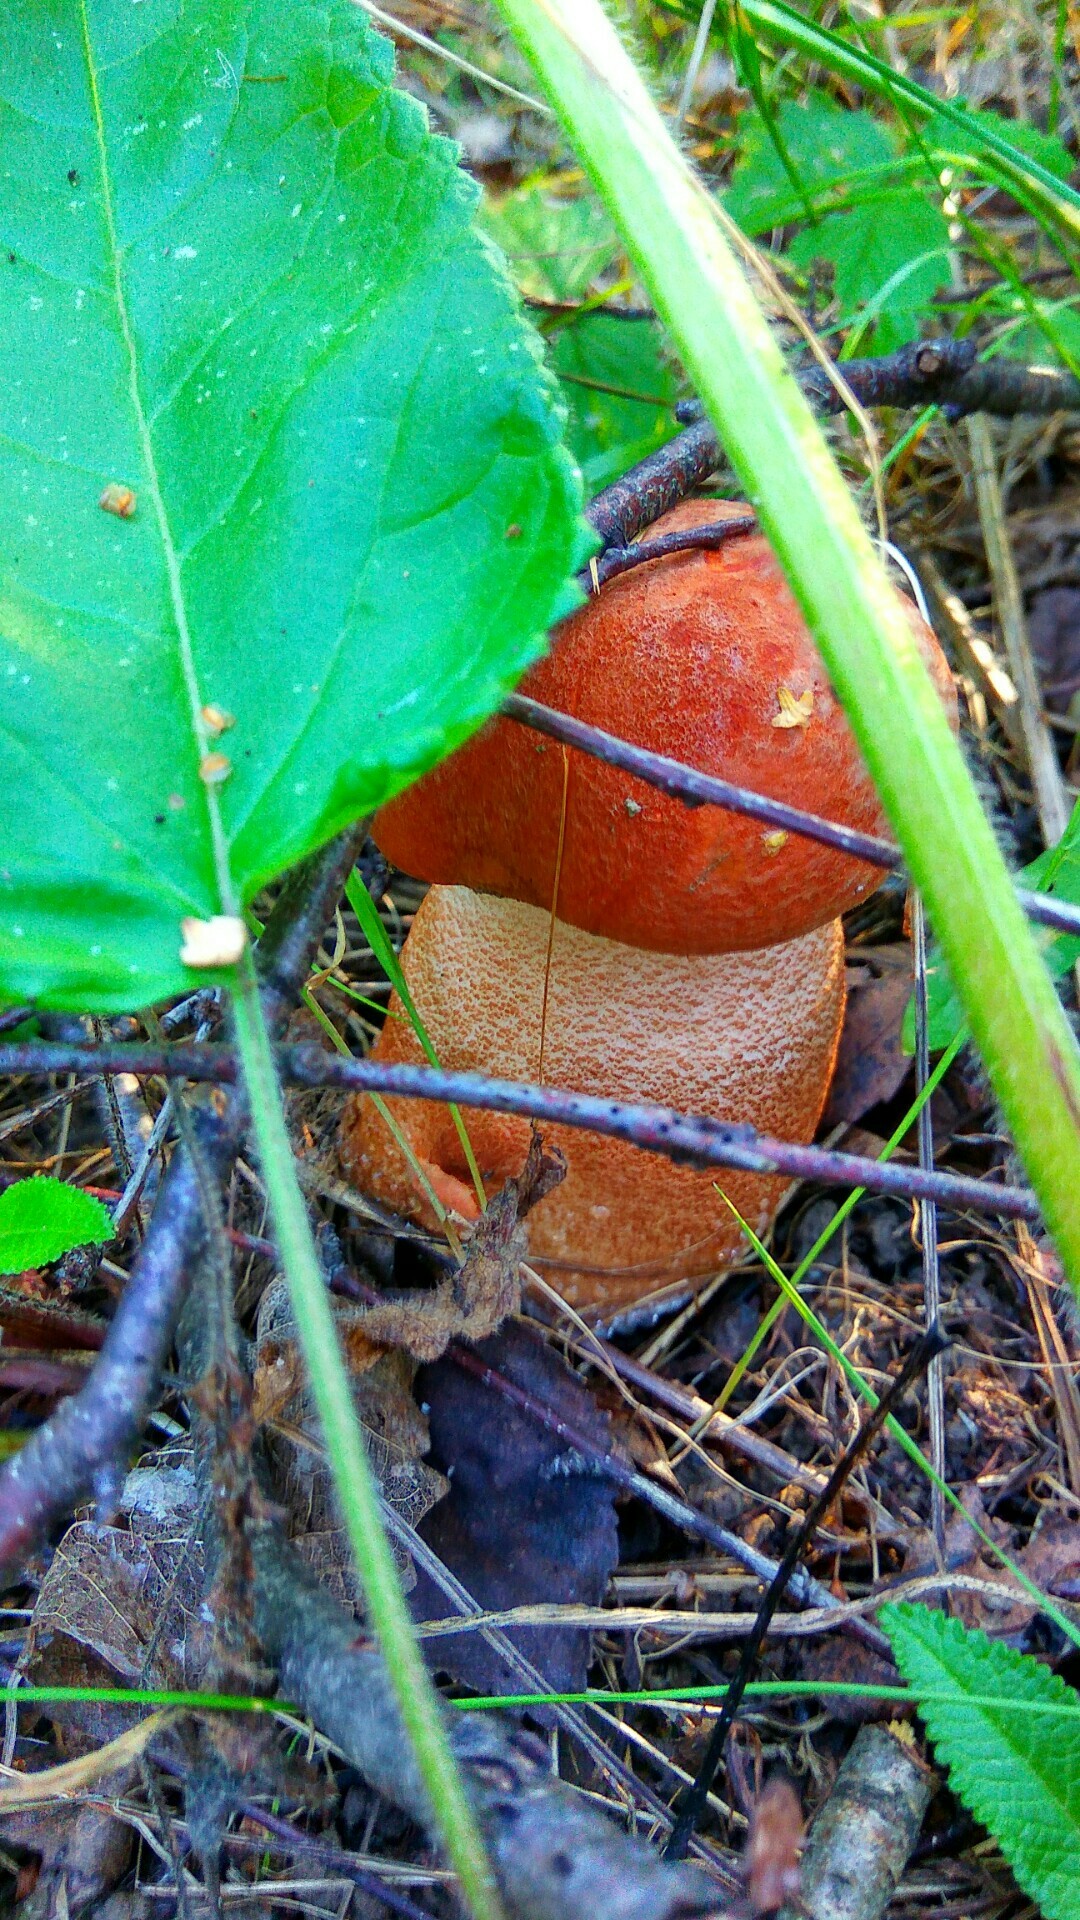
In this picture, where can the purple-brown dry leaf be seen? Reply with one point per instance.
(527, 1519)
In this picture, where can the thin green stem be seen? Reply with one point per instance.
(496, 1702)
(356, 1489)
(673, 230)
(827, 1233)
(903, 1438)
(760, 1690)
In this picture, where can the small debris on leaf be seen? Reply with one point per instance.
(214, 769)
(118, 499)
(217, 942)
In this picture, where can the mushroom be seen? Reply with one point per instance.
(747, 1036)
(700, 655)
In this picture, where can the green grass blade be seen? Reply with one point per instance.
(827, 1233)
(672, 230)
(353, 1479)
(378, 940)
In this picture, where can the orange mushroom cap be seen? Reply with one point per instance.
(745, 1037)
(703, 656)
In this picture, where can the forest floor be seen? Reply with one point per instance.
(602, 1586)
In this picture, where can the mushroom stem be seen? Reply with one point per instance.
(745, 1038)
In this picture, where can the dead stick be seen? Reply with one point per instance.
(694, 1140)
(928, 1344)
(863, 1837)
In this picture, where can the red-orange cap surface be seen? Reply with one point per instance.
(744, 1036)
(701, 656)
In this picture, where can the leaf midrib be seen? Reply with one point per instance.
(226, 888)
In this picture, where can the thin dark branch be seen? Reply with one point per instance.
(695, 789)
(654, 485)
(926, 372)
(941, 372)
(304, 1847)
(616, 560)
(695, 1140)
(83, 1448)
(926, 1347)
(1005, 388)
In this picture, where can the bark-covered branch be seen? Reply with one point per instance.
(692, 1139)
(939, 372)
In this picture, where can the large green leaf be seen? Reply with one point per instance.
(1009, 1732)
(241, 278)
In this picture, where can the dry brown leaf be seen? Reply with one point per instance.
(871, 1063)
(527, 1518)
(771, 1862)
(118, 1595)
(395, 1434)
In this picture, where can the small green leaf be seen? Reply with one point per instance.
(41, 1219)
(825, 144)
(890, 255)
(1015, 1765)
(887, 241)
(1055, 324)
(241, 279)
(1045, 149)
(619, 391)
(556, 245)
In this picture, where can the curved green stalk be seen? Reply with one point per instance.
(353, 1479)
(672, 230)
